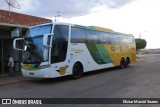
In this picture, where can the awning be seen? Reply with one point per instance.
(6, 26)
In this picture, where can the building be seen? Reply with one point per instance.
(9, 23)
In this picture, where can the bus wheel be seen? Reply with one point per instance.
(77, 70)
(122, 63)
(127, 62)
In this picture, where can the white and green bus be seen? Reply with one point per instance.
(60, 49)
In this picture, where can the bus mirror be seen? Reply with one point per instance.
(47, 40)
(17, 44)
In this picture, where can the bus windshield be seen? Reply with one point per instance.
(36, 52)
(39, 30)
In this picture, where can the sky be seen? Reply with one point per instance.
(137, 17)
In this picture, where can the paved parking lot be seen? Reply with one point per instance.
(140, 80)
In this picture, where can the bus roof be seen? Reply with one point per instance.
(87, 27)
(102, 29)
(109, 30)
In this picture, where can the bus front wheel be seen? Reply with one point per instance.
(77, 70)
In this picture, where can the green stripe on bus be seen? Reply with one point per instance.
(104, 54)
(98, 53)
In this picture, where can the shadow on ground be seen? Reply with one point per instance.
(69, 78)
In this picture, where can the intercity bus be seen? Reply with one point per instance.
(60, 49)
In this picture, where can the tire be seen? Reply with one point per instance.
(77, 71)
(122, 63)
(127, 63)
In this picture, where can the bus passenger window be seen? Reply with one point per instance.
(92, 36)
(113, 39)
(131, 40)
(104, 37)
(78, 35)
(121, 39)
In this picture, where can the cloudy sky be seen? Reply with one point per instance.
(128, 16)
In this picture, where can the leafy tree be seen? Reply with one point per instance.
(140, 43)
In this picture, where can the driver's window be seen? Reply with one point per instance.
(59, 43)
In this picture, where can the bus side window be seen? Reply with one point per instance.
(92, 36)
(108, 39)
(113, 39)
(131, 40)
(104, 37)
(78, 35)
(121, 39)
(125, 40)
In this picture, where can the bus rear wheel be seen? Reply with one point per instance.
(127, 62)
(77, 70)
(122, 63)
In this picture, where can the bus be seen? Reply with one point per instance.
(60, 49)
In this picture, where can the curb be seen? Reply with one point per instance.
(18, 78)
(5, 84)
(4, 75)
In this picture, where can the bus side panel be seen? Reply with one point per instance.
(93, 57)
(116, 52)
(132, 53)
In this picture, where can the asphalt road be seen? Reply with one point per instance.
(139, 80)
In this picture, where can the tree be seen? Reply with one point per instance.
(140, 44)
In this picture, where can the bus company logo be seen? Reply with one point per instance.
(119, 48)
(77, 50)
(6, 101)
(116, 48)
(62, 70)
(112, 48)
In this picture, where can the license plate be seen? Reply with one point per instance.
(31, 73)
